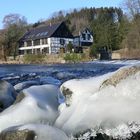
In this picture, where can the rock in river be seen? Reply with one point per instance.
(33, 132)
(20, 86)
(121, 74)
(7, 94)
(37, 104)
(14, 134)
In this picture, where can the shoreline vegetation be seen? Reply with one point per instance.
(70, 57)
(48, 59)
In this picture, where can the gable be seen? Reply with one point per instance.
(62, 31)
(86, 31)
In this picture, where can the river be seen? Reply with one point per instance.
(62, 72)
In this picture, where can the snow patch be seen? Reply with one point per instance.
(120, 62)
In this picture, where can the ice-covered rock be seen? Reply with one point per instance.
(33, 132)
(68, 95)
(40, 105)
(7, 94)
(121, 74)
(129, 131)
(15, 134)
(45, 132)
(50, 80)
(19, 97)
(94, 107)
(11, 78)
(111, 79)
(64, 75)
(103, 136)
(76, 87)
(20, 86)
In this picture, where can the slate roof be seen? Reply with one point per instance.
(41, 32)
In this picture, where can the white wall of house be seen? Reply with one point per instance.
(76, 41)
(88, 37)
(56, 43)
(53, 44)
(33, 47)
(84, 36)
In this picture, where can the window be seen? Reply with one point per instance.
(44, 41)
(62, 41)
(37, 42)
(41, 34)
(88, 36)
(29, 43)
(21, 44)
(38, 35)
(45, 33)
(45, 50)
(84, 36)
(29, 51)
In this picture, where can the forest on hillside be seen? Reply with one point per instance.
(114, 28)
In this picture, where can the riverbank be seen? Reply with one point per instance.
(112, 61)
(119, 55)
(48, 59)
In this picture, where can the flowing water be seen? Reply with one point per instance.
(19, 73)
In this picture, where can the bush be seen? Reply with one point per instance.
(73, 57)
(69, 47)
(93, 51)
(32, 58)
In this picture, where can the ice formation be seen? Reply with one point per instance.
(45, 132)
(40, 105)
(106, 108)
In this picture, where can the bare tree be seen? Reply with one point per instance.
(15, 26)
(132, 7)
(132, 40)
(14, 19)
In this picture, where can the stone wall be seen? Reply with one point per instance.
(126, 54)
(116, 55)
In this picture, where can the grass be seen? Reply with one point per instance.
(33, 59)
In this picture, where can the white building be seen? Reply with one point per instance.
(85, 38)
(51, 39)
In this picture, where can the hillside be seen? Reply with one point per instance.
(107, 24)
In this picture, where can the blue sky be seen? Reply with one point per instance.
(35, 10)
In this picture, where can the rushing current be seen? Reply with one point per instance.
(63, 72)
